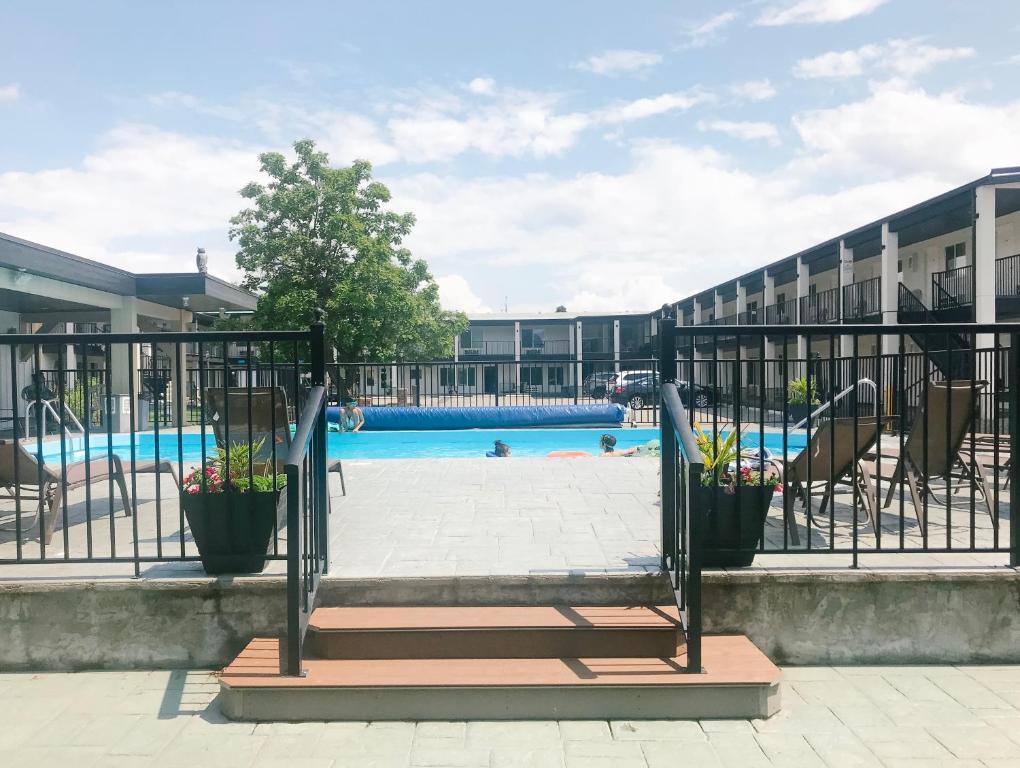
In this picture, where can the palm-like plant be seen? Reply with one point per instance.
(717, 453)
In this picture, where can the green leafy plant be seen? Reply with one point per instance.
(223, 474)
(797, 392)
(718, 453)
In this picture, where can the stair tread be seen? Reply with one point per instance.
(727, 659)
(423, 618)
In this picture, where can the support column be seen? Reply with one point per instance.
(517, 354)
(984, 262)
(698, 318)
(616, 345)
(124, 320)
(768, 299)
(890, 284)
(803, 281)
(579, 351)
(846, 277)
(177, 392)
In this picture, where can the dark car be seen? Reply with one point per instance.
(599, 384)
(643, 392)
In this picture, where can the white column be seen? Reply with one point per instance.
(616, 345)
(846, 277)
(768, 298)
(984, 262)
(517, 352)
(890, 284)
(456, 348)
(178, 370)
(697, 320)
(717, 306)
(124, 320)
(803, 281)
(578, 349)
(741, 299)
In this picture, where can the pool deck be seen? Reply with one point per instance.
(451, 517)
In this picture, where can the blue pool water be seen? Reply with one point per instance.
(469, 443)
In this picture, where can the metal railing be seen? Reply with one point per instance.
(1007, 276)
(498, 348)
(307, 513)
(930, 474)
(822, 307)
(784, 313)
(548, 347)
(952, 288)
(111, 492)
(862, 300)
(681, 467)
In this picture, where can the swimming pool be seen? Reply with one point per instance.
(467, 443)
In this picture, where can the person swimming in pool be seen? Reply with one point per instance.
(499, 450)
(608, 445)
(352, 419)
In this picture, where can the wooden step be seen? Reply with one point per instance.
(494, 632)
(737, 681)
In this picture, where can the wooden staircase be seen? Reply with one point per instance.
(500, 662)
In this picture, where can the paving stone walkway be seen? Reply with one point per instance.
(898, 717)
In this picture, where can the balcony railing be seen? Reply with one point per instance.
(488, 348)
(952, 288)
(596, 346)
(754, 316)
(783, 313)
(547, 347)
(862, 300)
(822, 307)
(1007, 276)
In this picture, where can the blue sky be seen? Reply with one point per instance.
(601, 155)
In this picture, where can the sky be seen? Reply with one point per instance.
(600, 155)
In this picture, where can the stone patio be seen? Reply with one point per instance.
(445, 517)
(867, 717)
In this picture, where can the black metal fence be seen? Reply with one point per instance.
(884, 439)
(89, 474)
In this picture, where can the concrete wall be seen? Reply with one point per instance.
(864, 617)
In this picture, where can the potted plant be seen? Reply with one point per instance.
(800, 401)
(734, 499)
(232, 515)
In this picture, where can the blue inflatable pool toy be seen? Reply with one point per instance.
(381, 419)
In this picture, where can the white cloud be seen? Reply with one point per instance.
(815, 11)
(657, 105)
(754, 90)
(702, 33)
(10, 92)
(905, 58)
(455, 293)
(483, 86)
(901, 131)
(142, 201)
(745, 131)
(623, 61)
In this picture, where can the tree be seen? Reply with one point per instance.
(321, 237)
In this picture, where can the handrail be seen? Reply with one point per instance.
(837, 398)
(673, 408)
(299, 444)
(47, 406)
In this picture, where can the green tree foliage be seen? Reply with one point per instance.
(321, 237)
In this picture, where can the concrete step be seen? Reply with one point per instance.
(495, 632)
(738, 681)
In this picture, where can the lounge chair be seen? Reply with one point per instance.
(25, 478)
(268, 418)
(933, 448)
(833, 458)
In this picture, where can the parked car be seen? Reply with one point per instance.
(642, 391)
(598, 384)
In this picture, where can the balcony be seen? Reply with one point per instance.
(1007, 277)
(953, 288)
(822, 307)
(862, 300)
(596, 346)
(546, 348)
(488, 349)
(783, 313)
(751, 317)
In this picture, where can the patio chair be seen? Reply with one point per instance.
(933, 449)
(831, 458)
(46, 484)
(268, 421)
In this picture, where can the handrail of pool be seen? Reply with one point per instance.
(681, 424)
(837, 398)
(307, 505)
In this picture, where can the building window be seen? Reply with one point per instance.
(532, 376)
(466, 377)
(532, 338)
(955, 255)
(556, 376)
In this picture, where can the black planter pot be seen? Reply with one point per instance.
(732, 538)
(798, 412)
(232, 530)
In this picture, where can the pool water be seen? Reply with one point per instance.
(434, 444)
